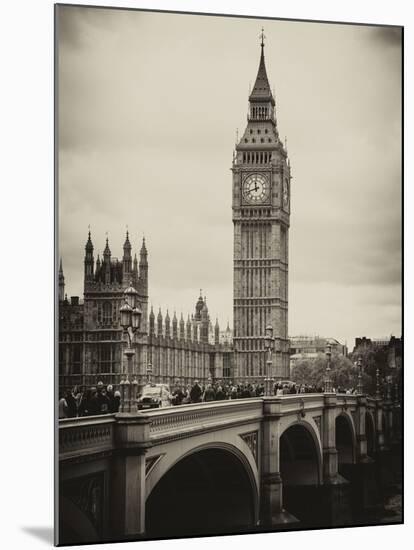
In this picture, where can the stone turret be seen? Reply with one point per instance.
(61, 283)
(217, 333)
(127, 260)
(204, 323)
(175, 327)
(143, 265)
(107, 263)
(151, 322)
(159, 323)
(182, 328)
(167, 326)
(89, 261)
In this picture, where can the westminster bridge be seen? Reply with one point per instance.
(231, 466)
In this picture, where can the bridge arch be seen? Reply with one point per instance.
(345, 440)
(301, 470)
(212, 479)
(305, 433)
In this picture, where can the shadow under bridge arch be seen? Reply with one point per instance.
(345, 442)
(210, 490)
(301, 473)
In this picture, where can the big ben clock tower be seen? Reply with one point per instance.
(261, 211)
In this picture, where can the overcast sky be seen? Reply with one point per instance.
(149, 104)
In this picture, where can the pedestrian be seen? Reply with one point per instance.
(78, 396)
(63, 407)
(245, 393)
(83, 409)
(110, 395)
(177, 394)
(116, 403)
(233, 392)
(187, 398)
(220, 395)
(72, 405)
(196, 393)
(102, 399)
(209, 393)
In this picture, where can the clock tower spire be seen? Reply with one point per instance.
(261, 212)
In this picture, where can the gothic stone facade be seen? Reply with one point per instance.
(261, 212)
(91, 340)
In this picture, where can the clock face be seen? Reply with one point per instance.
(286, 194)
(256, 189)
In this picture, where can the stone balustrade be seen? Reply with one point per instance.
(127, 455)
(79, 437)
(187, 420)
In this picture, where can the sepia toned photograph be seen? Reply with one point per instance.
(229, 349)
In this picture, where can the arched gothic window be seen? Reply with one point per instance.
(107, 313)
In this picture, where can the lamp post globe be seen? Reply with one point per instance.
(136, 317)
(126, 313)
(269, 335)
(131, 296)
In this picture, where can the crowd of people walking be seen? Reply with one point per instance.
(221, 390)
(104, 400)
(96, 400)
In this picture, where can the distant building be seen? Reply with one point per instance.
(370, 342)
(393, 346)
(309, 347)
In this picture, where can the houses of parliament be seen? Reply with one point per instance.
(91, 340)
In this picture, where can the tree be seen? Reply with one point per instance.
(344, 373)
(302, 372)
(387, 359)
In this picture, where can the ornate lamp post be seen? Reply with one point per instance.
(328, 381)
(377, 387)
(360, 388)
(269, 347)
(388, 394)
(149, 373)
(130, 321)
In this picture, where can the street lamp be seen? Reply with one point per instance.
(269, 347)
(328, 382)
(149, 373)
(388, 395)
(396, 397)
(360, 388)
(131, 315)
(377, 388)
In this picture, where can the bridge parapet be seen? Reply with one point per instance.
(297, 402)
(346, 400)
(187, 420)
(80, 437)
